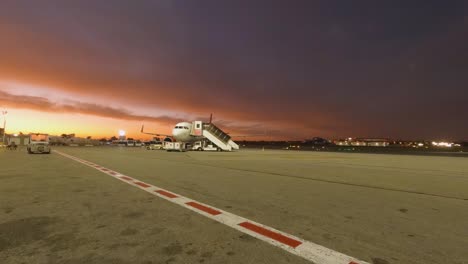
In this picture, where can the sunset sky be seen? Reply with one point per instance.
(290, 69)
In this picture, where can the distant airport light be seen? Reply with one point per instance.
(442, 144)
(121, 133)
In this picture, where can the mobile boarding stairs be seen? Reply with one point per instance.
(214, 134)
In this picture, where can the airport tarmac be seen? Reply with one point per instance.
(383, 209)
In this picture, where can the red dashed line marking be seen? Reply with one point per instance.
(142, 184)
(167, 194)
(203, 208)
(297, 246)
(126, 178)
(273, 235)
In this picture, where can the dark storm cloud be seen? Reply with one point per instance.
(365, 68)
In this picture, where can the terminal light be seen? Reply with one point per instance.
(442, 144)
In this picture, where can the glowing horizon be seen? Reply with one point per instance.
(39, 109)
(30, 121)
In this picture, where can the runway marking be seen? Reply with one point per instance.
(205, 209)
(273, 235)
(167, 194)
(142, 184)
(308, 250)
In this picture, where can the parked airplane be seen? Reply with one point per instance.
(186, 132)
(190, 132)
(180, 133)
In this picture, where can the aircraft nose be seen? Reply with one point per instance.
(176, 132)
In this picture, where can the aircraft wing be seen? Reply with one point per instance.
(154, 134)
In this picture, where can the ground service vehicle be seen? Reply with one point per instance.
(204, 145)
(174, 146)
(38, 143)
(152, 145)
(138, 143)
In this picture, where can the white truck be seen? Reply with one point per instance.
(154, 144)
(38, 143)
(204, 145)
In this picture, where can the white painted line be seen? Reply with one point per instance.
(297, 246)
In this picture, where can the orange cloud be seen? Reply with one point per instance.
(45, 105)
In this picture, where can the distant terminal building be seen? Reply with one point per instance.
(363, 142)
(18, 139)
(64, 140)
(376, 142)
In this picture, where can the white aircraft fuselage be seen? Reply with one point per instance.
(181, 133)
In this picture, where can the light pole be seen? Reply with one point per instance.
(4, 113)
